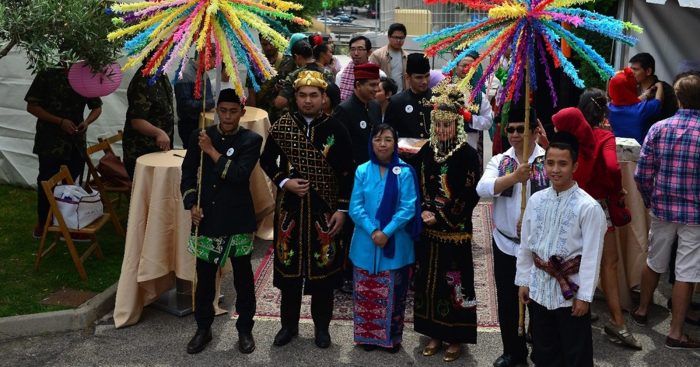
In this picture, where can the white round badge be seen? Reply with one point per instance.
(396, 170)
(409, 109)
(229, 152)
(363, 124)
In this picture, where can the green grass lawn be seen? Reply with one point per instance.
(22, 287)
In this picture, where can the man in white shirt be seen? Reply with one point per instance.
(503, 181)
(559, 261)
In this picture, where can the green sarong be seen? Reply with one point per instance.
(216, 250)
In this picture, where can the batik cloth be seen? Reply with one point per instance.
(379, 306)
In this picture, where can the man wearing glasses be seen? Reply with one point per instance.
(392, 58)
(360, 49)
(503, 181)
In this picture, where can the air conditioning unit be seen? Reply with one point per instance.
(417, 21)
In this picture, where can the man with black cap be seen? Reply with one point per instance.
(306, 155)
(359, 114)
(409, 111)
(230, 154)
(503, 181)
(559, 261)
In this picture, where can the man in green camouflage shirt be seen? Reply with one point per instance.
(60, 130)
(150, 120)
(302, 55)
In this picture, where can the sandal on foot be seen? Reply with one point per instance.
(430, 350)
(623, 335)
(451, 356)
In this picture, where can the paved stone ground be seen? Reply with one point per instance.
(160, 339)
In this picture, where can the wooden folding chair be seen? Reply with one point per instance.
(95, 180)
(64, 176)
(105, 145)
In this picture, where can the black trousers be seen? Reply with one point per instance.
(559, 339)
(48, 166)
(245, 293)
(321, 306)
(348, 229)
(507, 296)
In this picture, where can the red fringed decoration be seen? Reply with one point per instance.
(198, 81)
(208, 62)
(165, 47)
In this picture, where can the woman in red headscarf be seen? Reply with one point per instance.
(572, 121)
(628, 113)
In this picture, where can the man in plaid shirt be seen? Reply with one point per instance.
(668, 177)
(360, 49)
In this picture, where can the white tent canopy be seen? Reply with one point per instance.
(18, 165)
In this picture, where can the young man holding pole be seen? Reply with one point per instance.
(227, 154)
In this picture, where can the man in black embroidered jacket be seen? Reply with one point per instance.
(306, 155)
(409, 111)
(225, 214)
(359, 114)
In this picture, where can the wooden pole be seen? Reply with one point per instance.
(202, 122)
(523, 191)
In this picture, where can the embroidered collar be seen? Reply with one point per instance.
(565, 193)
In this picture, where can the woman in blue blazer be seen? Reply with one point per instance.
(383, 204)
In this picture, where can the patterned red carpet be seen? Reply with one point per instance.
(268, 297)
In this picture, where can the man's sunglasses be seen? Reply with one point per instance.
(519, 129)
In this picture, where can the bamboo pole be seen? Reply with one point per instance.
(523, 191)
(202, 122)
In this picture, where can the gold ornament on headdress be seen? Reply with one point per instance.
(309, 78)
(449, 103)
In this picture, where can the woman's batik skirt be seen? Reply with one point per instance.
(379, 305)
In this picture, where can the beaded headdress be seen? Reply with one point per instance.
(449, 104)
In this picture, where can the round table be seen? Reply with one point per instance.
(157, 231)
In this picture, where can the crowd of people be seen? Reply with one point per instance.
(358, 214)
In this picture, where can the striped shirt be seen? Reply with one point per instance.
(668, 171)
(567, 224)
(346, 81)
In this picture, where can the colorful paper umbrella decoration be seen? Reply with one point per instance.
(163, 31)
(532, 30)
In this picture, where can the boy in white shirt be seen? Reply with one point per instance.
(559, 261)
